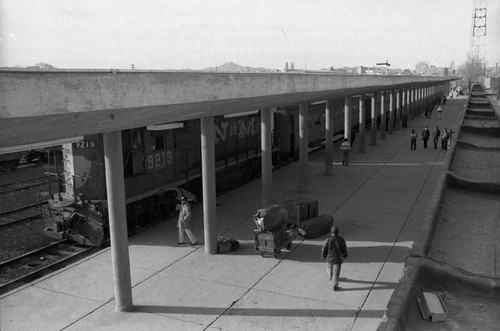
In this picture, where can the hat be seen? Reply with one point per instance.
(335, 230)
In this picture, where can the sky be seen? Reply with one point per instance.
(196, 34)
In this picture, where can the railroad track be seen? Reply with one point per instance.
(19, 215)
(21, 185)
(33, 265)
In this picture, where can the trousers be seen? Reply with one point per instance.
(190, 234)
(345, 158)
(333, 271)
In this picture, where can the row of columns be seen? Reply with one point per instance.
(411, 100)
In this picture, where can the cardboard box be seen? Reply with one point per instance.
(432, 306)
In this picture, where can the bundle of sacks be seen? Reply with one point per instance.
(271, 219)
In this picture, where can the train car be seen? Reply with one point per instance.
(163, 162)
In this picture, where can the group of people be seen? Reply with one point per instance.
(426, 134)
(437, 134)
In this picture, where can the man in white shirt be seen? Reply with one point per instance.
(345, 147)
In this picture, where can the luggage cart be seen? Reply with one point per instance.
(270, 243)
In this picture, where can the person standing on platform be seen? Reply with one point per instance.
(435, 136)
(404, 120)
(425, 135)
(440, 110)
(444, 139)
(334, 251)
(345, 147)
(184, 223)
(413, 140)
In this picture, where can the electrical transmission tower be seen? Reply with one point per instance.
(478, 29)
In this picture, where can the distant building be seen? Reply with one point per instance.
(423, 68)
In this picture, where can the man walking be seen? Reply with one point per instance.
(435, 136)
(440, 110)
(334, 251)
(425, 135)
(444, 139)
(404, 120)
(184, 223)
(345, 147)
(413, 140)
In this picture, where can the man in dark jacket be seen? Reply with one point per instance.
(334, 251)
(425, 135)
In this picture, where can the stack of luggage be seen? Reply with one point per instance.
(277, 225)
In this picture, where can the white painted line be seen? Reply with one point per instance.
(394, 164)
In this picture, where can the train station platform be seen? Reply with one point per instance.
(378, 202)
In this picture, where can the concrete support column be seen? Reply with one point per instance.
(362, 124)
(404, 92)
(418, 104)
(374, 119)
(209, 185)
(328, 137)
(411, 97)
(418, 101)
(413, 101)
(391, 111)
(382, 116)
(426, 97)
(303, 146)
(405, 104)
(422, 100)
(347, 117)
(267, 156)
(408, 104)
(115, 188)
(397, 124)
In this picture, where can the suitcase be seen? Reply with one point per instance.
(312, 207)
(293, 211)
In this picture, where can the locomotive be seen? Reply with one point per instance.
(163, 162)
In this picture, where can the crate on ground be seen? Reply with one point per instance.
(270, 243)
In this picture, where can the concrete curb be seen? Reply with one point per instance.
(424, 236)
(487, 187)
(418, 274)
(419, 270)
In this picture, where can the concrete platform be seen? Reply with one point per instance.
(378, 202)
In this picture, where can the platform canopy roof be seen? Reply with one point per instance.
(47, 105)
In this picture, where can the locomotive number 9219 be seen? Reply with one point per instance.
(159, 159)
(84, 144)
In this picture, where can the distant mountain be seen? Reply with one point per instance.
(233, 67)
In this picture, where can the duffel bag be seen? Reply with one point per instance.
(316, 227)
